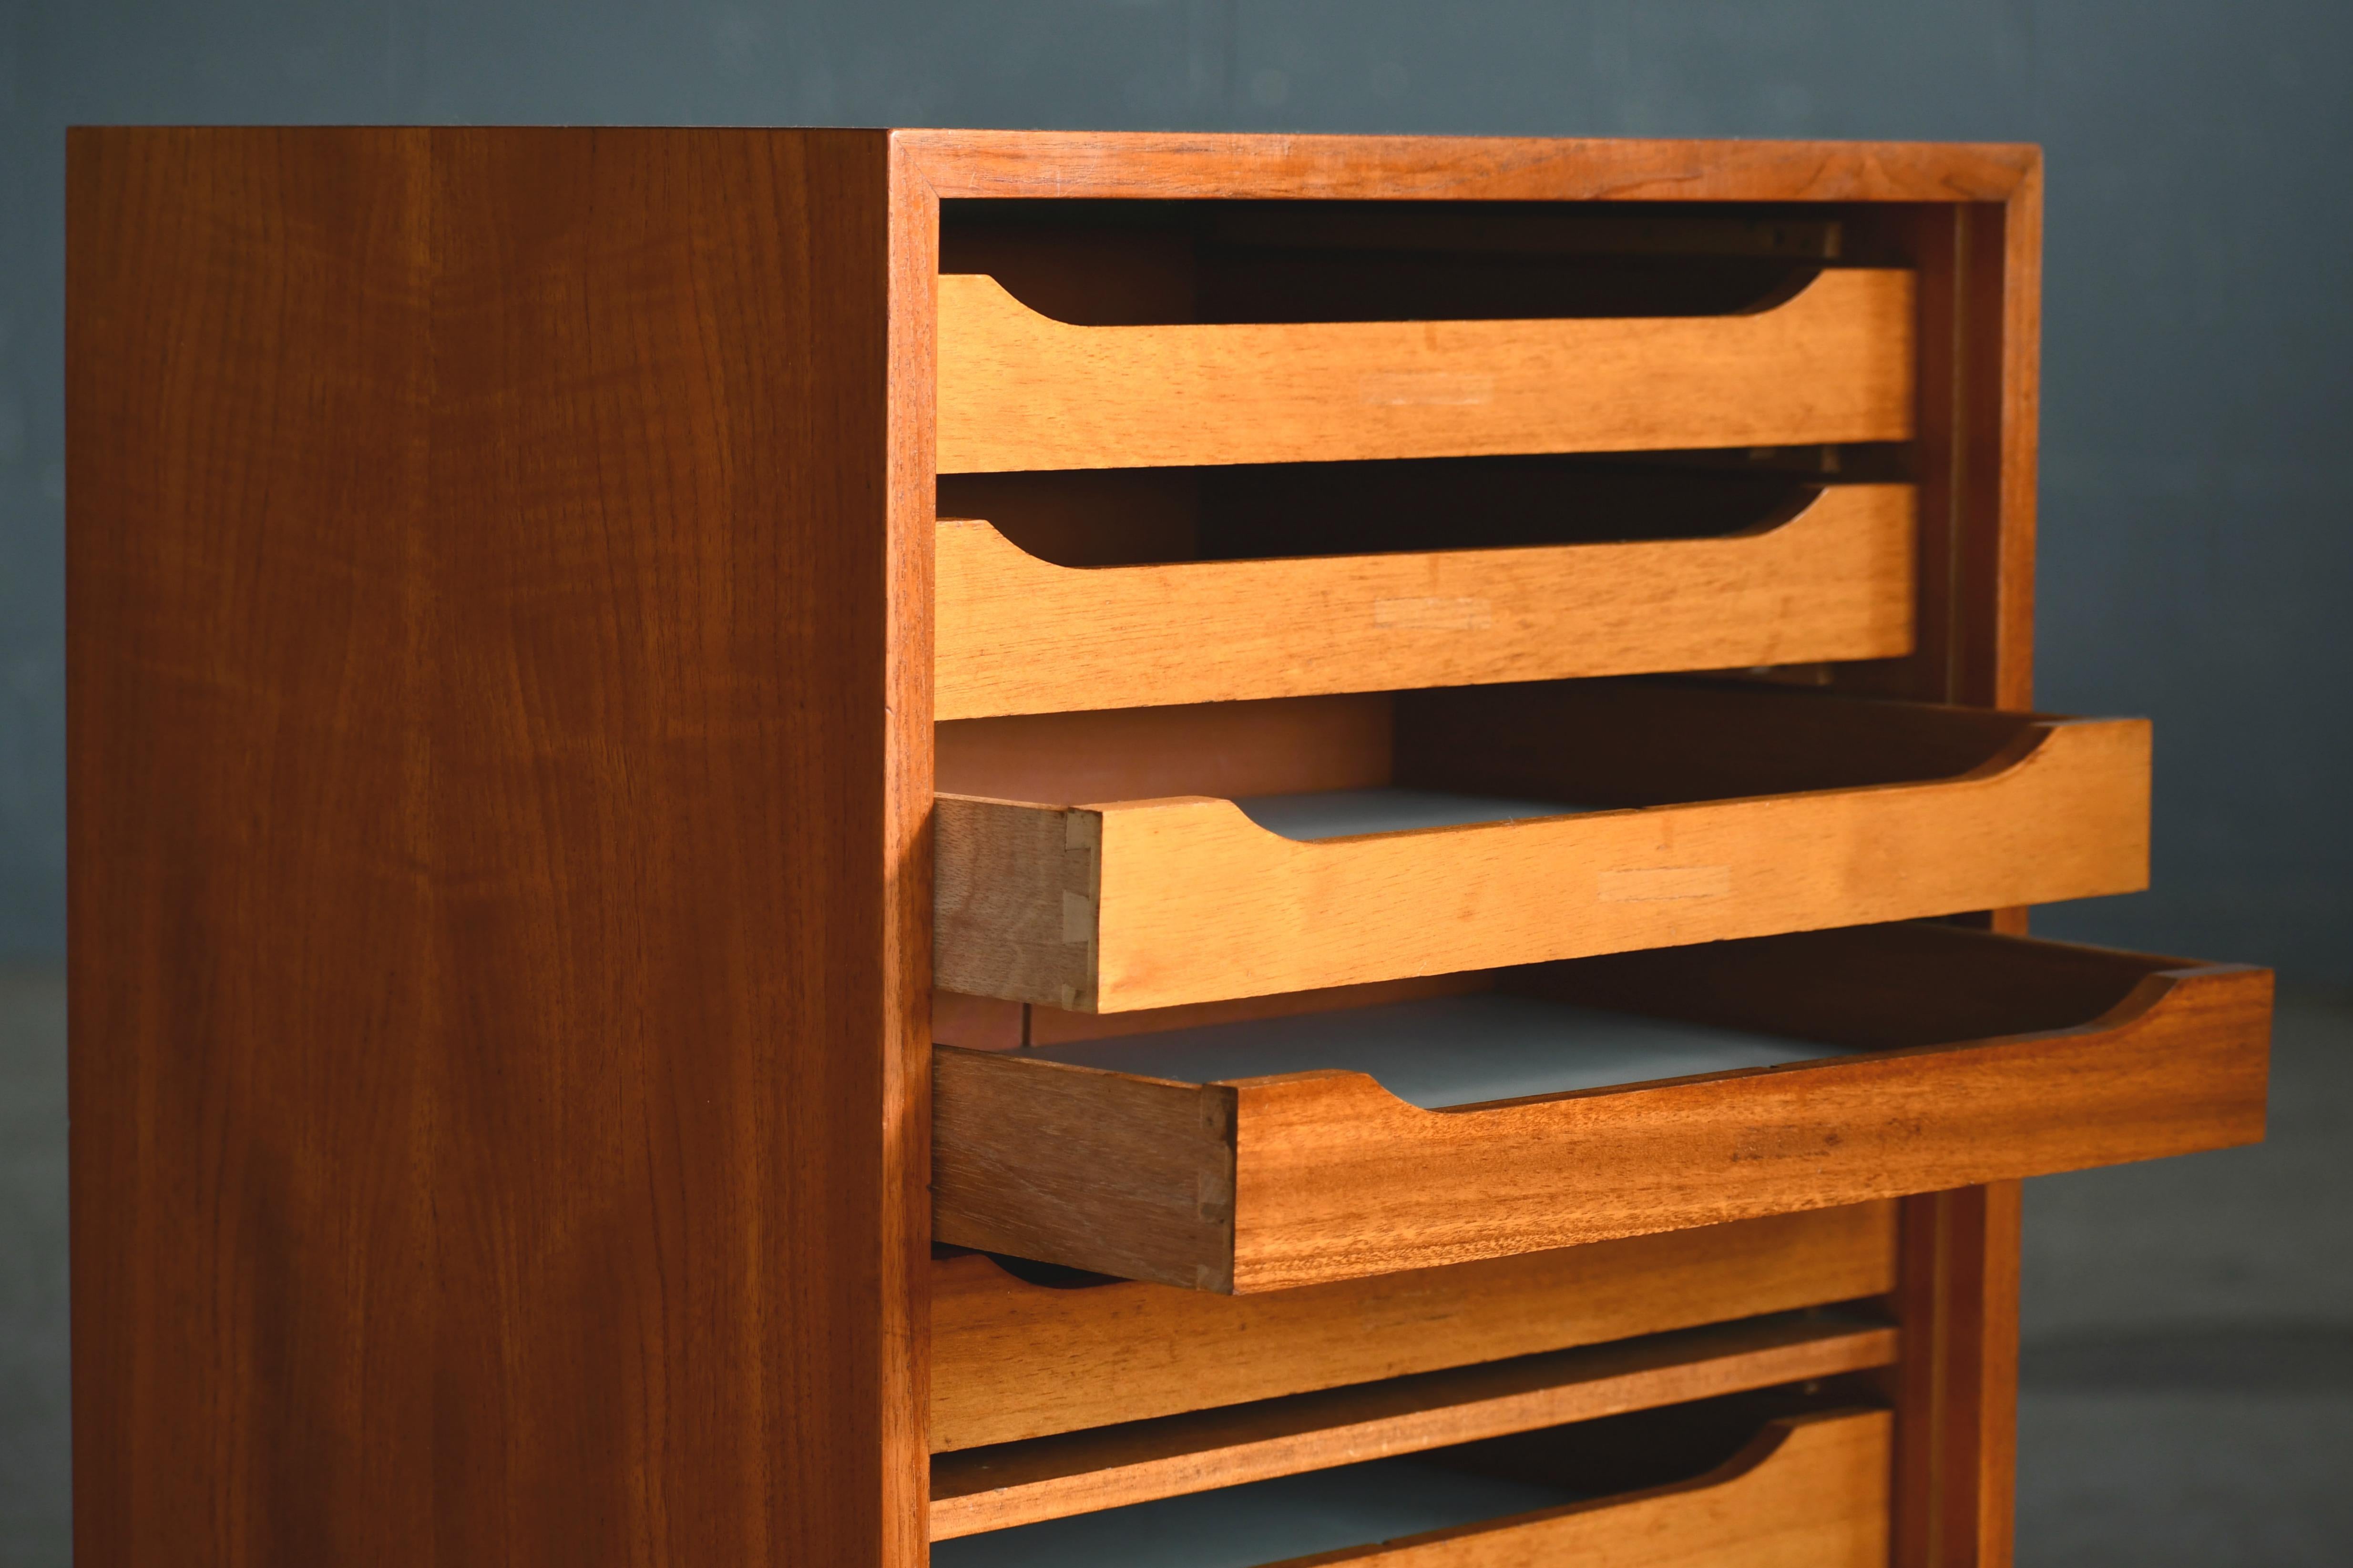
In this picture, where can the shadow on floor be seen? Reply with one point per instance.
(2186, 1377)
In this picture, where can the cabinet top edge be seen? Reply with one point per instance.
(1145, 164)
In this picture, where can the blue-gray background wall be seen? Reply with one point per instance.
(2190, 1365)
(2197, 502)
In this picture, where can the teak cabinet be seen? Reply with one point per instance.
(829, 847)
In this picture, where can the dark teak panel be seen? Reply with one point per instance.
(497, 874)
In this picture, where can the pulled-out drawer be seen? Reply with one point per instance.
(1574, 1102)
(1492, 826)
(1020, 390)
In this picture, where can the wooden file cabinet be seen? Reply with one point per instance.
(804, 847)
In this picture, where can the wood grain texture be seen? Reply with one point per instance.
(1333, 1177)
(1278, 747)
(1196, 902)
(1014, 1361)
(1147, 1166)
(1018, 634)
(1142, 164)
(989, 1023)
(1956, 1389)
(1019, 390)
(498, 886)
(1079, 1472)
(1810, 1492)
(997, 931)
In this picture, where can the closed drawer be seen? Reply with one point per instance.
(1018, 634)
(1576, 1103)
(1641, 813)
(1808, 1489)
(1019, 390)
(1716, 1369)
(1015, 1359)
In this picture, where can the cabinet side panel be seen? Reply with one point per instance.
(675, 1294)
(492, 997)
(252, 1008)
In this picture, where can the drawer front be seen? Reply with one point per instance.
(1159, 902)
(1809, 1490)
(2088, 1058)
(1018, 634)
(1018, 390)
(1012, 1360)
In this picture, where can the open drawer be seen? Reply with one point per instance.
(1362, 577)
(1573, 1102)
(1807, 1488)
(1366, 839)
(1019, 389)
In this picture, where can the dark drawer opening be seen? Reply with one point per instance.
(1166, 262)
(1315, 768)
(1133, 517)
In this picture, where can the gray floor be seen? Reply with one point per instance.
(2188, 1369)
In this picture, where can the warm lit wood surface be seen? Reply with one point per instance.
(1014, 1361)
(1082, 165)
(1325, 1175)
(496, 1138)
(1047, 1477)
(1810, 1492)
(1152, 903)
(1019, 390)
(1018, 634)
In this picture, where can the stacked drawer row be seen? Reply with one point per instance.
(1382, 661)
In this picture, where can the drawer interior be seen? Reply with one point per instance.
(1464, 1490)
(1135, 517)
(1444, 1052)
(1164, 262)
(1329, 767)
(1614, 1021)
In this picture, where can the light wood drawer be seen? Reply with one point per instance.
(1804, 1071)
(1015, 633)
(1688, 1382)
(1019, 390)
(1721, 810)
(1809, 1490)
(1013, 1359)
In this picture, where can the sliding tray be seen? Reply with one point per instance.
(1575, 1102)
(1016, 1357)
(1808, 1489)
(1049, 1478)
(1020, 390)
(1832, 578)
(1500, 824)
